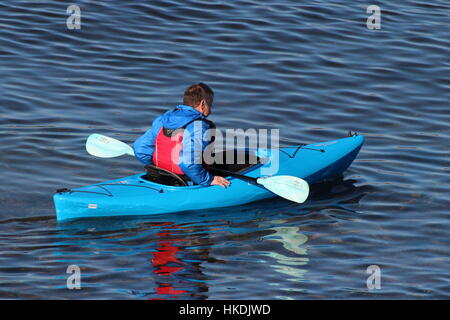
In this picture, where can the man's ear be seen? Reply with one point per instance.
(203, 105)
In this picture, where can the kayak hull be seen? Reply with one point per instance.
(134, 195)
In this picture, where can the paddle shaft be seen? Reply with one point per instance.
(236, 175)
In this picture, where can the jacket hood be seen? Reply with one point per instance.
(180, 116)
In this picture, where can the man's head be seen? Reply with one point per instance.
(200, 97)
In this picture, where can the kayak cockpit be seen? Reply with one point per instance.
(236, 161)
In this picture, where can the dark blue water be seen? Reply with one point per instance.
(312, 69)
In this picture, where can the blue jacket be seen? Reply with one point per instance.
(194, 135)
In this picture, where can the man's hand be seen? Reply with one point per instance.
(220, 181)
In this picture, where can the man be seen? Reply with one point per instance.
(174, 141)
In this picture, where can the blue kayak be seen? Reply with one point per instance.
(137, 195)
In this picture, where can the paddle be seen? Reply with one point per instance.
(288, 187)
(105, 147)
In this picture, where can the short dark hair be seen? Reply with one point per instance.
(196, 93)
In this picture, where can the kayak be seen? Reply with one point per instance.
(138, 195)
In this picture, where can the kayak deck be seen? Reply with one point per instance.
(135, 195)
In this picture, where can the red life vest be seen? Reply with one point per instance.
(168, 145)
(167, 150)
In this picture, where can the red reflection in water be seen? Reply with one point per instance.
(164, 254)
(165, 288)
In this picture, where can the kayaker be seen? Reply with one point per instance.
(174, 139)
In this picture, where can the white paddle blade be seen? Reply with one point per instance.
(288, 187)
(105, 147)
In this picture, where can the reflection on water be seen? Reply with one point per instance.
(291, 240)
(216, 254)
(294, 266)
(163, 259)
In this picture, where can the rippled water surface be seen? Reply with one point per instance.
(311, 68)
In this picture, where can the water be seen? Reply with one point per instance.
(312, 69)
